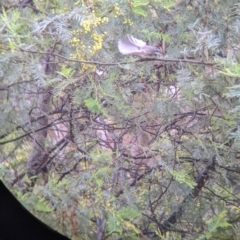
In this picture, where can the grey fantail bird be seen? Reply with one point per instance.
(134, 46)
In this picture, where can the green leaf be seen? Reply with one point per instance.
(128, 213)
(12, 45)
(114, 225)
(139, 11)
(66, 72)
(42, 206)
(93, 105)
(102, 171)
(167, 4)
(218, 221)
(99, 182)
(183, 177)
(138, 3)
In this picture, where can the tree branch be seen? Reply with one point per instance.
(197, 62)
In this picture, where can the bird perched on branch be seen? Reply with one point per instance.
(131, 45)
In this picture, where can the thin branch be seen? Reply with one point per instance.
(176, 60)
(200, 182)
(32, 120)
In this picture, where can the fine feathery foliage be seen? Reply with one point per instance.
(100, 145)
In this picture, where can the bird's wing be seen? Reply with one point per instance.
(136, 42)
(130, 45)
(125, 47)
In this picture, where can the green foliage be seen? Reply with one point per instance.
(93, 105)
(114, 226)
(66, 72)
(128, 213)
(122, 220)
(42, 206)
(137, 7)
(14, 27)
(229, 68)
(213, 224)
(119, 144)
(183, 177)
